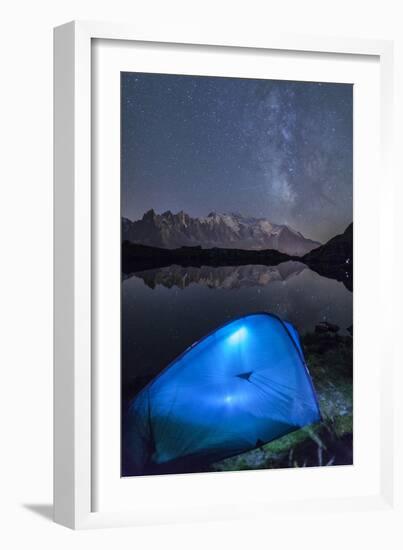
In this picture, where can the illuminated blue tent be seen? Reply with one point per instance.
(239, 387)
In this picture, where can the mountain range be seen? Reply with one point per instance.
(168, 230)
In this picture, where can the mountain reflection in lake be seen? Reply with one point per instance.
(226, 277)
(166, 310)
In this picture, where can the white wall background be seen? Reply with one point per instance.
(26, 254)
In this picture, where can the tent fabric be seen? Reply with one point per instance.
(241, 386)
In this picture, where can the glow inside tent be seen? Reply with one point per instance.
(241, 386)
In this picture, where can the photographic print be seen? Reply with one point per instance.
(237, 274)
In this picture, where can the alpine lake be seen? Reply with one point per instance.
(166, 310)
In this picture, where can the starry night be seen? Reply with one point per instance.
(237, 274)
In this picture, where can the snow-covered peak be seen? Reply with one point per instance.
(223, 230)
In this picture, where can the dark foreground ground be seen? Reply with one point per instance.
(330, 361)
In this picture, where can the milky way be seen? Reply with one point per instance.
(274, 149)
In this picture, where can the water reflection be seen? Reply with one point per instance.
(166, 310)
(224, 277)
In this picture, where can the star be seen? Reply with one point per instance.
(267, 148)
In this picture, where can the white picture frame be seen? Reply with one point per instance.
(76, 295)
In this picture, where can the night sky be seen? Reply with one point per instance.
(274, 149)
